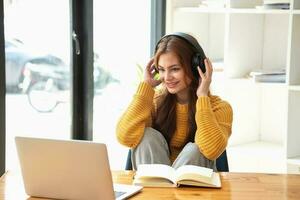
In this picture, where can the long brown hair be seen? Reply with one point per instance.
(164, 120)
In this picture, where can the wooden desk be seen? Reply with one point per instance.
(234, 186)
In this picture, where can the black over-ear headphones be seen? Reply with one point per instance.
(198, 57)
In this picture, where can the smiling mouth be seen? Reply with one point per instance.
(171, 85)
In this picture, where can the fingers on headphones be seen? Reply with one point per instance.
(208, 66)
(153, 69)
(200, 72)
(150, 64)
(208, 69)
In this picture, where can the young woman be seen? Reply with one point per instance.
(182, 122)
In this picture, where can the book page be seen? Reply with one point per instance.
(192, 172)
(155, 170)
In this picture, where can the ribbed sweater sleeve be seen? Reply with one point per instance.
(131, 125)
(213, 126)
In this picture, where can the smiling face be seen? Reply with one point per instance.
(173, 76)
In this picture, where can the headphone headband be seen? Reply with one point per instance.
(186, 37)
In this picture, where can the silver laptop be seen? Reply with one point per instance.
(68, 169)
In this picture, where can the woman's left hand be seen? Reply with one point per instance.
(205, 79)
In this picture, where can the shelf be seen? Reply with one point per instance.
(294, 87)
(201, 10)
(232, 10)
(249, 81)
(258, 11)
(271, 84)
(221, 76)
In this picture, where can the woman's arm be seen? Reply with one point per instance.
(213, 117)
(131, 125)
(214, 122)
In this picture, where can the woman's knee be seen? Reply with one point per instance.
(191, 155)
(192, 151)
(152, 136)
(192, 148)
(152, 149)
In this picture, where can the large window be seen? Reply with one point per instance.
(39, 69)
(121, 49)
(37, 47)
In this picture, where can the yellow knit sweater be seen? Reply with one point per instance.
(213, 119)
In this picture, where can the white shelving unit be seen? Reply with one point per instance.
(241, 38)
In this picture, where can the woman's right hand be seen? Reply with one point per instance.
(150, 73)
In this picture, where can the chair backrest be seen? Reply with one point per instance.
(222, 162)
(128, 161)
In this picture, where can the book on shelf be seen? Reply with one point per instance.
(276, 4)
(267, 72)
(282, 6)
(268, 75)
(160, 175)
(274, 78)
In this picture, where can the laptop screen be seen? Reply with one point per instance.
(65, 169)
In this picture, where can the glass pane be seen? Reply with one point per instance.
(121, 47)
(37, 47)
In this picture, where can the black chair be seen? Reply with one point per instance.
(222, 162)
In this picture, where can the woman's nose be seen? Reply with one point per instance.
(167, 75)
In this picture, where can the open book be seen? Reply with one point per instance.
(159, 175)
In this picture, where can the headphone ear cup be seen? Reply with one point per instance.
(198, 60)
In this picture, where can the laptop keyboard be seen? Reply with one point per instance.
(118, 193)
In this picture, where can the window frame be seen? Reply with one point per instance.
(82, 89)
(158, 22)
